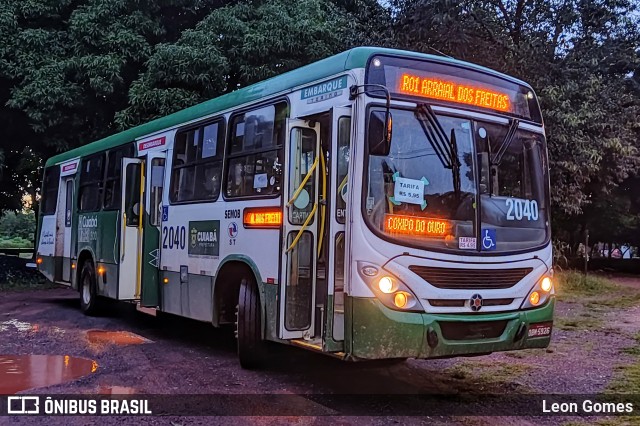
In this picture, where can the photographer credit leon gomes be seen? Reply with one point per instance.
(587, 407)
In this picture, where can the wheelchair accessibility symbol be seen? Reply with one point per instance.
(488, 239)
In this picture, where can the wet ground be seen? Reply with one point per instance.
(126, 352)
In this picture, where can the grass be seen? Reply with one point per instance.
(489, 373)
(571, 285)
(596, 293)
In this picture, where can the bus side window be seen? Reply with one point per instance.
(50, 190)
(132, 195)
(91, 184)
(255, 152)
(113, 183)
(197, 164)
(157, 177)
(344, 135)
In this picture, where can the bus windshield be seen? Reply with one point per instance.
(494, 198)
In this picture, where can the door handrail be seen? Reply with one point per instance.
(304, 226)
(122, 236)
(323, 203)
(304, 182)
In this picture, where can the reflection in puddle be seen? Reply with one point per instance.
(116, 390)
(121, 338)
(21, 372)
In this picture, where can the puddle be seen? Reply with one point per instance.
(120, 338)
(116, 390)
(18, 325)
(22, 372)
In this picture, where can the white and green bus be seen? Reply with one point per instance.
(375, 204)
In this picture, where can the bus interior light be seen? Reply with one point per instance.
(262, 218)
(546, 284)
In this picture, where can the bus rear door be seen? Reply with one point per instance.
(130, 229)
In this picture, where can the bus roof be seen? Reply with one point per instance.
(350, 59)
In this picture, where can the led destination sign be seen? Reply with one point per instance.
(459, 84)
(416, 226)
(436, 88)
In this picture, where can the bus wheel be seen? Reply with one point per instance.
(251, 348)
(88, 296)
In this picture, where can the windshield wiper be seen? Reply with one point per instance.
(435, 134)
(495, 161)
(455, 163)
(445, 148)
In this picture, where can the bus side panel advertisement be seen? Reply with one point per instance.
(204, 238)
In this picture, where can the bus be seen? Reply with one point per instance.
(376, 204)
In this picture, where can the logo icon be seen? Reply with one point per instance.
(194, 237)
(233, 230)
(23, 405)
(475, 303)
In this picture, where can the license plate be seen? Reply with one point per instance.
(540, 329)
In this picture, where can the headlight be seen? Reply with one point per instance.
(539, 294)
(392, 292)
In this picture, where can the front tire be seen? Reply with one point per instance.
(88, 290)
(252, 349)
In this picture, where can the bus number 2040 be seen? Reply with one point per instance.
(174, 237)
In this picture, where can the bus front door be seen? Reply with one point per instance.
(130, 224)
(297, 286)
(336, 217)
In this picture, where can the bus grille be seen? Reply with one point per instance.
(452, 330)
(453, 278)
(459, 303)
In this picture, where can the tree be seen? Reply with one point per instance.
(65, 70)
(240, 44)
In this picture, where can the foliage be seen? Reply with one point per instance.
(233, 47)
(72, 71)
(19, 227)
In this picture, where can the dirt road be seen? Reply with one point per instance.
(178, 356)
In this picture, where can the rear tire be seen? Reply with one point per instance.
(252, 350)
(88, 289)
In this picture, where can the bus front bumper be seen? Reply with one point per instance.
(381, 333)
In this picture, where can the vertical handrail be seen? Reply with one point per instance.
(323, 204)
(140, 229)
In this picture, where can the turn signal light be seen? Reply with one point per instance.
(73, 266)
(546, 284)
(400, 299)
(39, 261)
(101, 270)
(165, 280)
(534, 298)
(262, 218)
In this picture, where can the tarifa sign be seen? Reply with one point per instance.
(204, 238)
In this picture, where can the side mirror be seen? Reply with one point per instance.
(380, 133)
